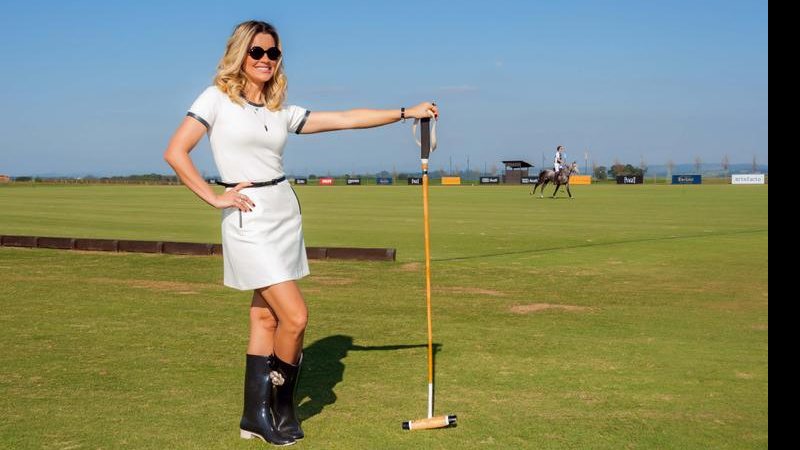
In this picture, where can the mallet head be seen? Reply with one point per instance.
(431, 422)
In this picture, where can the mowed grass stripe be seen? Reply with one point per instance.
(465, 221)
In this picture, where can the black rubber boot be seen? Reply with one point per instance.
(284, 376)
(256, 418)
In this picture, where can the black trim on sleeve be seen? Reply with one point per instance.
(199, 119)
(302, 122)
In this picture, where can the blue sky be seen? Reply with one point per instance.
(96, 87)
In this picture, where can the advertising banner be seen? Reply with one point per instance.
(687, 179)
(748, 178)
(580, 179)
(630, 179)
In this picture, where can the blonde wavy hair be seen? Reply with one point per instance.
(230, 77)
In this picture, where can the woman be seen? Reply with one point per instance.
(262, 236)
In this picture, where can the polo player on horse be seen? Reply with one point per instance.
(557, 177)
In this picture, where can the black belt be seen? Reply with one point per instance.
(254, 184)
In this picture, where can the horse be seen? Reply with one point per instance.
(558, 178)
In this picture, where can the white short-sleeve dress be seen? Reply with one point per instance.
(264, 246)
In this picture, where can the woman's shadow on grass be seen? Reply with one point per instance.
(323, 369)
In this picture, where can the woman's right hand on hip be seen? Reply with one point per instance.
(232, 198)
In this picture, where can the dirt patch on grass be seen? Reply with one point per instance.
(586, 273)
(470, 290)
(539, 307)
(101, 253)
(411, 267)
(155, 285)
(331, 281)
(36, 278)
(587, 397)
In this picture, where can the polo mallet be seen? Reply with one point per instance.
(428, 144)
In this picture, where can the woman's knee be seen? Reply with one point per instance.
(295, 322)
(262, 318)
(289, 306)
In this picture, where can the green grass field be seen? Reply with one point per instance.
(629, 317)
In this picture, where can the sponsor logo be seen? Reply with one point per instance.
(687, 179)
(749, 178)
(630, 179)
(490, 180)
(300, 181)
(327, 181)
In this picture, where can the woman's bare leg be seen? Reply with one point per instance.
(287, 304)
(263, 324)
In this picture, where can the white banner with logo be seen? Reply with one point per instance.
(747, 178)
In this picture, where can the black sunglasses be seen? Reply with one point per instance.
(273, 53)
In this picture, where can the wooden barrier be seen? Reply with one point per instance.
(187, 248)
(55, 242)
(379, 254)
(97, 245)
(140, 246)
(18, 241)
(182, 248)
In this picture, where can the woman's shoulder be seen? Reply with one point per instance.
(213, 95)
(212, 91)
(290, 110)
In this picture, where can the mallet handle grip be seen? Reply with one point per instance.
(425, 138)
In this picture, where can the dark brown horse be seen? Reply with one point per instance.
(561, 178)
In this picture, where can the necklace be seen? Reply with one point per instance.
(258, 113)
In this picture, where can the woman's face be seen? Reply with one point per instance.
(260, 70)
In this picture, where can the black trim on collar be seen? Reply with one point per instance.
(199, 119)
(257, 105)
(302, 122)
